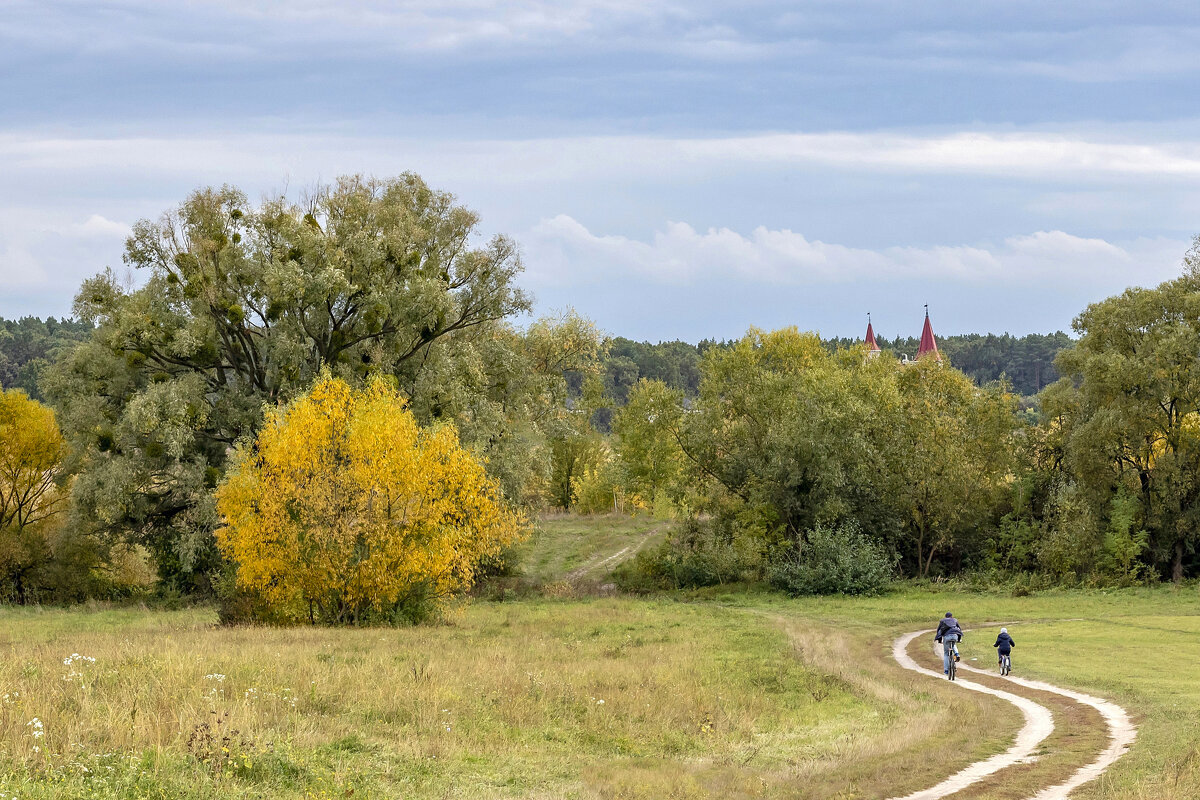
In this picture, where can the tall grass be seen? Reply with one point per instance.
(506, 700)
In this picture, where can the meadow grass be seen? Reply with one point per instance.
(531, 699)
(730, 694)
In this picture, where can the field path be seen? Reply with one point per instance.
(600, 561)
(1039, 723)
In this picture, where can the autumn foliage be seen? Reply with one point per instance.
(31, 455)
(346, 511)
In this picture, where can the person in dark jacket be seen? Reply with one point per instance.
(949, 633)
(1004, 644)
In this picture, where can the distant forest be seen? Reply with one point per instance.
(1027, 361)
(27, 345)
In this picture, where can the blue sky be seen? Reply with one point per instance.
(669, 169)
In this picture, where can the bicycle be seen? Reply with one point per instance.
(952, 673)
(1005, 664)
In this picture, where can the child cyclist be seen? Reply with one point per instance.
(949, 633)
(1004, 645)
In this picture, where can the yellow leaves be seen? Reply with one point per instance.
(31, 452)
(348, 506)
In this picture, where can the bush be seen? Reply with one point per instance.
(834, 560)
(345, 511)
(701, 553)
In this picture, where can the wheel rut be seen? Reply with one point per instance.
(1038, 725)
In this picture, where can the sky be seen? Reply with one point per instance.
(670, 169)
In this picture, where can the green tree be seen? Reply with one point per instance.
(647, 430)
(950, 456)
(29, 345)
(794, 436)
(576, 447)
(1134, 422)
(791, 432)
(506, 391)
(241, 307)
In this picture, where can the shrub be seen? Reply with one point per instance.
(1122, 544)
(345, 511)
(834, 560)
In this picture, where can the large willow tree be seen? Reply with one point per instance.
(236, 306)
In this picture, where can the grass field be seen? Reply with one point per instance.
(727, 695)
(610, 697)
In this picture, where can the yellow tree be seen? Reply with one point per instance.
(346, 511)
(31, 465)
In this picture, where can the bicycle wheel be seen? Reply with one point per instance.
(953, 668)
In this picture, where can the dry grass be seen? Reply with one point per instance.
(733, 696)
(607, 698)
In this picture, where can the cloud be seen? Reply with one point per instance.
(97, 226)
(1029, 154)
(715, 283)
(561, 251)
(45, 254)
(1032, 156)
(256, 29)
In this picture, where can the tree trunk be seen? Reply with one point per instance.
(1177, 567)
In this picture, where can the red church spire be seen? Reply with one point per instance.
(872, 345)
(928, 343)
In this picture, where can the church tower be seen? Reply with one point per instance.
(928, 343)
(872, 346)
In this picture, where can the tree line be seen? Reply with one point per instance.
(786, 457)
(1026, 362)
(917, 466)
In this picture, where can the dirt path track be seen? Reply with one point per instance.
(599, 562)
(1039, 724)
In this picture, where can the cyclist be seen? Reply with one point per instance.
(949, 633)
(1004, 645)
